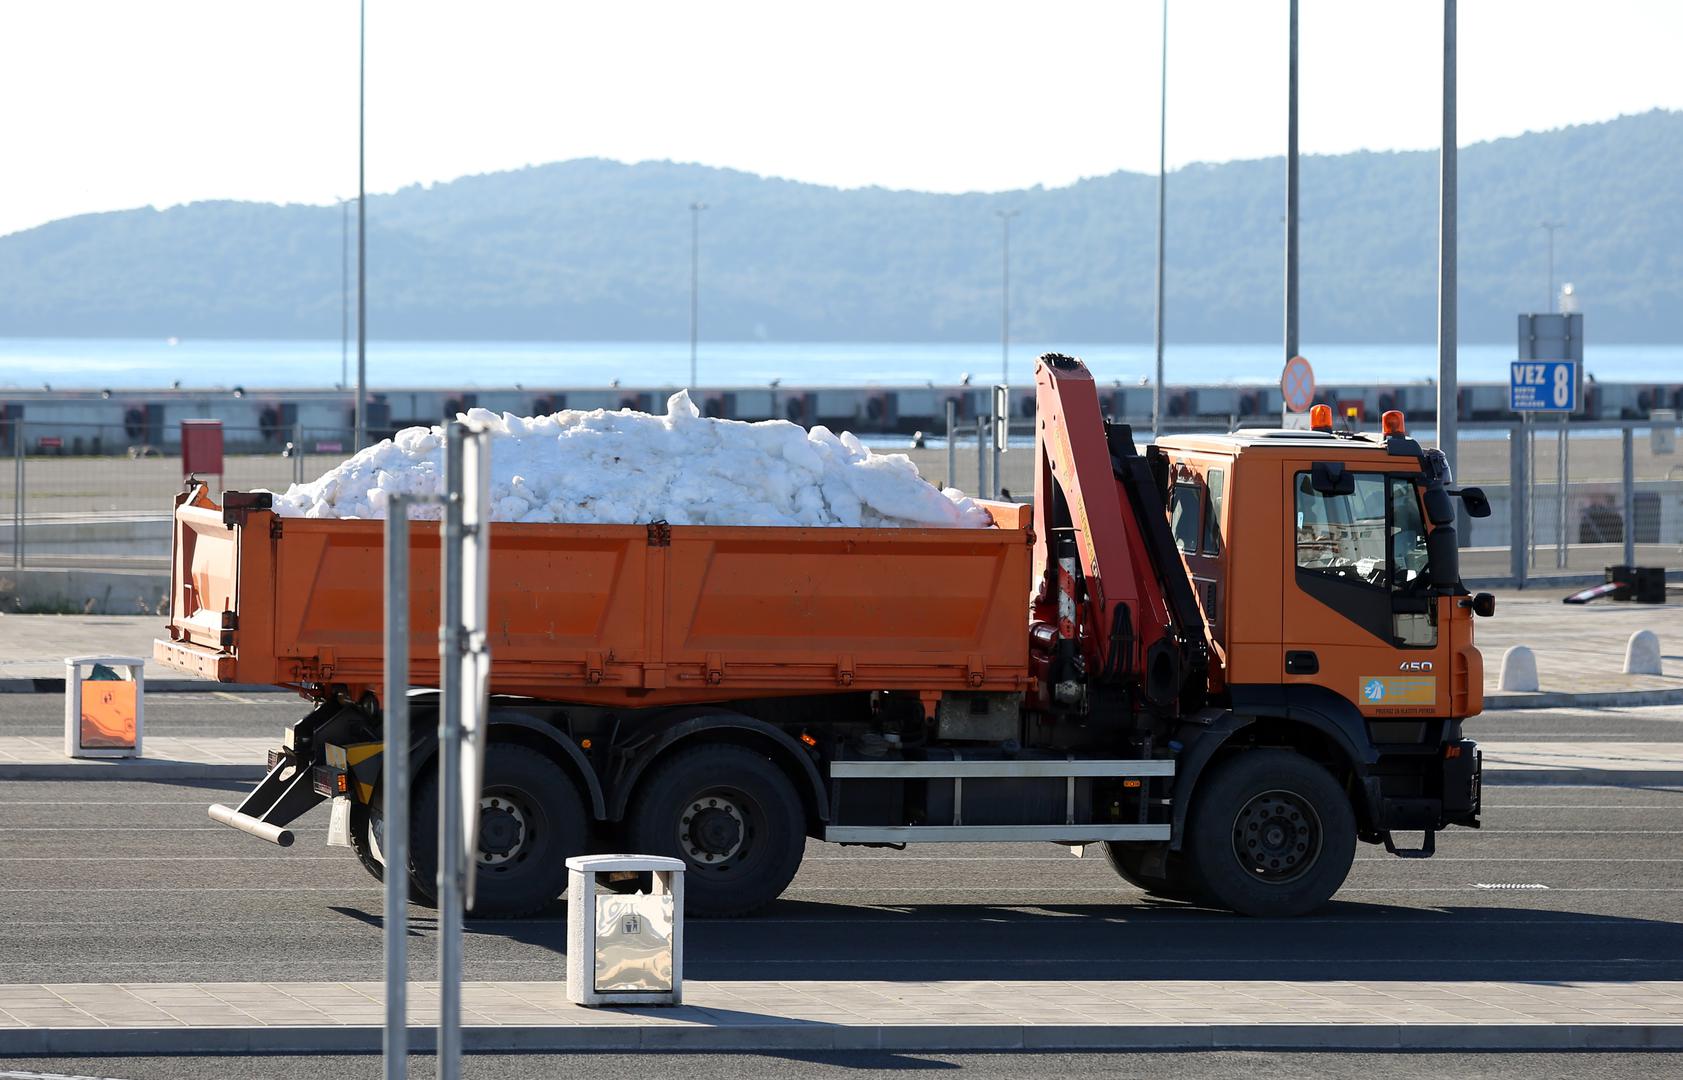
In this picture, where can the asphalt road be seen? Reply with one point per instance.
(866, 1065)
(223, 713)
(129, 881)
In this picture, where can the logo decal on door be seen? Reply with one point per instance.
(1398, 690)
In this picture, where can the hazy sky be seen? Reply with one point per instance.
(123, 103)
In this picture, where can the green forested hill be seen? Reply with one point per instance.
(598, 250)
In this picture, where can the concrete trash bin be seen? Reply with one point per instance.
(104, 706)
(625, 948)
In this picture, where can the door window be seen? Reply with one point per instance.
(1374, 538)
(1343, 536)
(1215, 481)
(1185, 502)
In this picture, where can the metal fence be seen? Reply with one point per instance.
(100, 495)
(1566, 501)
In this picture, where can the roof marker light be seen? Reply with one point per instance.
(1320, 418)
(1392, 423)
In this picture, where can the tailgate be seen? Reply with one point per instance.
(212, 560)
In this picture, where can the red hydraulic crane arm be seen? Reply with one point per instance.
(1096, 508)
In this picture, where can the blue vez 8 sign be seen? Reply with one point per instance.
(1543, 386)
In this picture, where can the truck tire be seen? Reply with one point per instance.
(1154, 869)
(532, 820)
(1270, 834)
(365, 842)
(732, 816)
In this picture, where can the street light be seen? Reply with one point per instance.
(1005, 217)
(1291, 184)
(344, 292)
(360, 435)
(1162, 144)
(695, 279)
(1551, 226)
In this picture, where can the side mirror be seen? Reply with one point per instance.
(1439, 510)
(1484, 605)
(1443, 569)
(1332, 478)
(1474, 499)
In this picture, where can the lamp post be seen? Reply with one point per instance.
(1448, 380)
(344, 292)
(360, 435)
(695, 280)
(1005, 217)
(1551, 226)
(1291, 185)
(1162, 151)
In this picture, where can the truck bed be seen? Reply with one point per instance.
(609, 614)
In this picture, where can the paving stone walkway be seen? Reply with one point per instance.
(933, 1014)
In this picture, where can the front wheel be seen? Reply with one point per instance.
(732, 816)
(1271, 833)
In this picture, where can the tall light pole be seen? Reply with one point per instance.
(1005, 217)
(1551, 226)
(1448, 380)
(344, 292)
(695, 280)
(1291, 185)
(360, 435)
(1162, 175)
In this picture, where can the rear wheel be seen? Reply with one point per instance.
(732, 816)
(1271, 833)
(1154, 869)
(532, 819)
(367, 840)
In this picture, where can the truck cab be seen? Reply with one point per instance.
(1310, 589)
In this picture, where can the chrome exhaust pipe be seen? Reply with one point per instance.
(245, 823)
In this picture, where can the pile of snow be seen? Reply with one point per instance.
(628, 467)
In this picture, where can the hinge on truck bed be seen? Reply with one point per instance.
(660, 534)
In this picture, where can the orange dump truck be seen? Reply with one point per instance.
(1227, 660)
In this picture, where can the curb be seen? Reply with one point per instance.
(798, 1035)
(1604, 699)
(131, 769)
(153, 686)
(1583, 777)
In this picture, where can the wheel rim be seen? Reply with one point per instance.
(507, 830)
(1277, 836)
(717, 828)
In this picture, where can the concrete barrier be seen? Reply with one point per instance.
(1519, 669)
(1642, 654)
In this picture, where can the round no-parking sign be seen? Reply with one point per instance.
(1297, 384)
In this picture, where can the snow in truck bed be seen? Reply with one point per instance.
(627, 467)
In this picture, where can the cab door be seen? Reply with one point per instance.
(1359, 618)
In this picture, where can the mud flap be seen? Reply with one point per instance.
(339, 824)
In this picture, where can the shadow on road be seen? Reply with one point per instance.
(798, 940)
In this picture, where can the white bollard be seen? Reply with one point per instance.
(1519, 669)
(1642, 654)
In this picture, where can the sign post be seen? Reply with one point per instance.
(1297, 388)
(1548, 377)
(464, 683)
